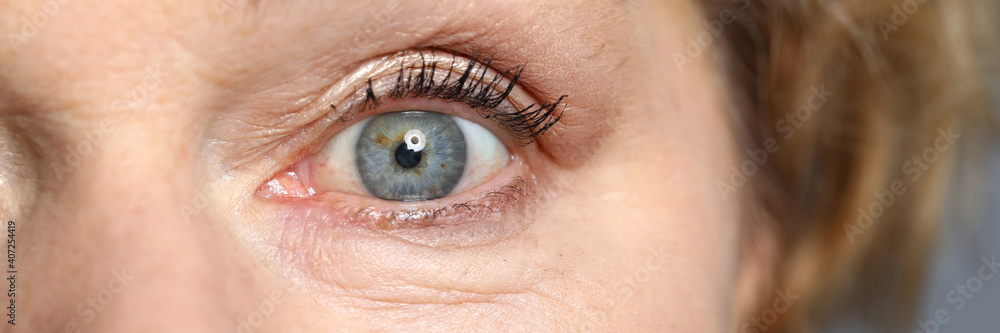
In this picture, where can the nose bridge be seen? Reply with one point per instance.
(119, 214)
(131, 238)
(115, 244)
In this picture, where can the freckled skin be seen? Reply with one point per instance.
(131, 113)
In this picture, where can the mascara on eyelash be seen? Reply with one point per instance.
(481, 93)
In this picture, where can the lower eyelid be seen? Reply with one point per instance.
(357, 261)
(487, 217)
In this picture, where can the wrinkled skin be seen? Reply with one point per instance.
(134, 188)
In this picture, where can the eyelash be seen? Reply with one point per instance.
(478, 93)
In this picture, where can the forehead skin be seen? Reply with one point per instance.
(113, 99)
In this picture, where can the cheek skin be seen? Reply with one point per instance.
(647, 230)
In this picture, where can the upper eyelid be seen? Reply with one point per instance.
(404, 62)
(433, 74)
(489, 95)
(315, 121)
(264, 131)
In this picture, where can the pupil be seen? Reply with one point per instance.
(406, 157)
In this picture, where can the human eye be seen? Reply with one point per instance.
(409, 156)
(425, 139)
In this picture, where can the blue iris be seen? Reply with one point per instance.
(391, 170)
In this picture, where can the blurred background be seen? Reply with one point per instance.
(970, 233)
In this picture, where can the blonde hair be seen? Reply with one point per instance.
(897, 75)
